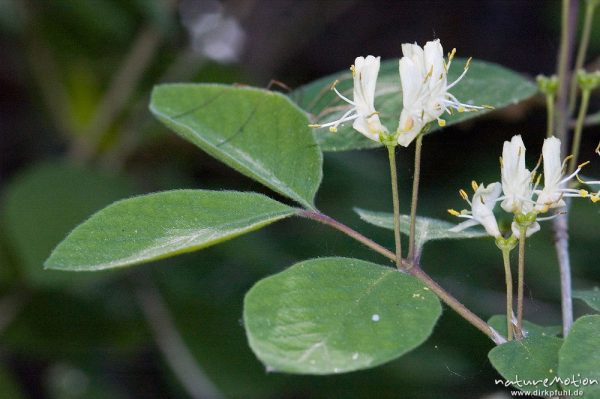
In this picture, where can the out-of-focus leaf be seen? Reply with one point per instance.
(156, 226)
(485, 84)
(9, 388)
(591, 297)
(498, 322)
(334, 315)
(579, 357)
(426, 229)
(259, 133)
(531, 361)
(43, 204)
(54, 325)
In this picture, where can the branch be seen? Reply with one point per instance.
(171, 344)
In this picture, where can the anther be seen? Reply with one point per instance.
(453, 212)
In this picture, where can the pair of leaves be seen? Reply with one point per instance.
(259, 133)
(543, 362)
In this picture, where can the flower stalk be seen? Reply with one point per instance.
(396, 204)
(505, 246)
(412, 255)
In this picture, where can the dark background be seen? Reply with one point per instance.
(87, 336)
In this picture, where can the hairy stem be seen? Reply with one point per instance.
(550, 115)
(561, 224)
(585, 100)
(412, 256)
(456, 305)
(581, 52)
(171, 344)
(414, 270)
(521, 277)
(509, 292)
(394, 178)
(561, 243)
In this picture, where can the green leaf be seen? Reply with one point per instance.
(579, 357)
(42, 205)
(591, 297)
(484, 84)
(531, 364)
(335, 315)
(156, 226)
(426, 229)
(498, 322)
(259, 133)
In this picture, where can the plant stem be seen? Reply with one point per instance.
(509, 292)
(521, 277)
(568, 22)
(394, 178)
(581, 52)
(561, 243)
(550, 115)
(585, 100)
(412, 256)
(414, 270)
(171, 344)
(457, 306)
(319, 217)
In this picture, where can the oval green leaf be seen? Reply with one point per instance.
(579, 357)
(259, 133)
(485, 84)
(156, 226)
(335, 315)
(426, 228)
(590, 297)
(530, 364)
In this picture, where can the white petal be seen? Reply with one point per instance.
(533, 228)
(464, 225)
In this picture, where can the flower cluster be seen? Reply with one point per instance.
(423, 75)
(521, 192)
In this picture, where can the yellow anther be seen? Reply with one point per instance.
(463, 194)
(333, 129)
(441, 122)
(453, 212)
(581, 165)
(464, 212)
(314, 125)
(353, 69)
(468, 63)
(595, 198)
(461, 109)
(501, 162)
(474, 185)
(598, 149)
(583, 193)
(538, 180)
(488, 107)
(451, 54)
(335, 82)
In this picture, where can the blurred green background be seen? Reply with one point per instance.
(75, 135)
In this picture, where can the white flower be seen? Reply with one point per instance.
(551, 196)
(516, 178)
(423, 73)
(482, 209)
(366, 119)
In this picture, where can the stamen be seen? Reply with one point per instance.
(453, 212)
(463, 194)
(441, 122)
(474, 185)
(342, 96)
(583, 193)
(353, 69)
(597, 151)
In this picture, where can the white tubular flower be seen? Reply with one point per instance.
(516, 178)
(482, 209)
(423, 73)
(551, 196)
(366, 119)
